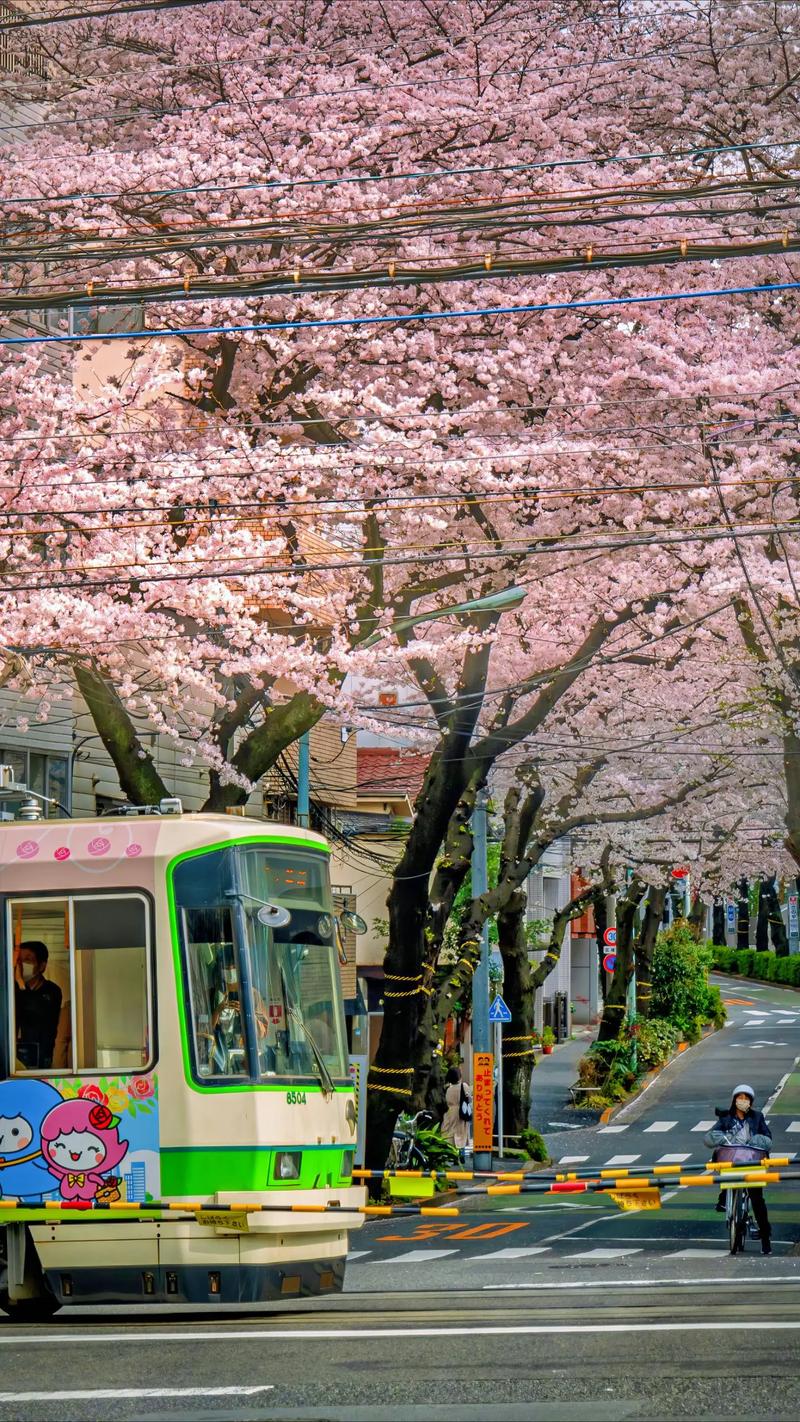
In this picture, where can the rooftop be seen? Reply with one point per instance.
(390, 770)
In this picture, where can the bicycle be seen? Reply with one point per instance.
(739, 1217)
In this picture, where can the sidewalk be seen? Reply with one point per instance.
(550, 1083)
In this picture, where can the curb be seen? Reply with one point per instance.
(682, 1049)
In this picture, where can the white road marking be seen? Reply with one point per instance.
(672, 1159)
(573, 1159)
(611, 1130)
(511, 1253)
(622, 1159)
(660, 1126)
(112, 1394)
(484, 1330)
(602, 1253)
(735, 1282)
(419, 1256)
(795, 1126)
(357, 1254)
(697, 1253)
(703, 1126)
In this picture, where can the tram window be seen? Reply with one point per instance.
(86, 1006)
(214, 992)
(110, 966)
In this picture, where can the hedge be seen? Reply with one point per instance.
(766, 966)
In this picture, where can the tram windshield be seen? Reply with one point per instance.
(264, 1001)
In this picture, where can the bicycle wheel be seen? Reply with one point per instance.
(737, 1221)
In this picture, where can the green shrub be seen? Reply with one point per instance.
(722, 958)
(681, 991)
(533, 1145)
(656, 1041)
(761, 963)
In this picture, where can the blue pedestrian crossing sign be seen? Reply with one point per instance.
(498, 1012)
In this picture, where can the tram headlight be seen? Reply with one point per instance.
(287, 1164)
(324, 925)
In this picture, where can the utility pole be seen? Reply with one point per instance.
(303, 780)
(481, 1030)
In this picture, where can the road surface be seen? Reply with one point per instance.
(522, 1308)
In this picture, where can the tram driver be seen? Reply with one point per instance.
(37, 1006)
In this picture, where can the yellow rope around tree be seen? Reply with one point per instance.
(394, 1090)
(393, 1071)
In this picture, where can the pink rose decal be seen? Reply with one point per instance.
(99, 845)
(28, 849)
(140, 1088)
(92, 1092)
(62, 852)
(133, 850)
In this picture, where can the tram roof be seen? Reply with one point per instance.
(115, 848)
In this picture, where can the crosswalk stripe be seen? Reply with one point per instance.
(514, 1253)
(419, 1256)
(604, 1253)
(795, 1126)
(573, 1159)
(672, 1159)
(357, 1254)
(696, 1253)
(660, 1126)
(703, 1126)
(611, 1130)
(623, 1159)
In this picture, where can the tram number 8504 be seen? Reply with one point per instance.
(295, 1098)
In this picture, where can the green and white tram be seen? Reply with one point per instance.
(172, 1035)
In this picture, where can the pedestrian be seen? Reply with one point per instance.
(743, 1137)
(457, 1123)
(37, 1007)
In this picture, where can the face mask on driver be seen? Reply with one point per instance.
(743, 1103)
(230, 977)
(28, 972)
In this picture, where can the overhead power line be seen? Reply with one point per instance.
(400, 319)
(110, 12)
(601, 160)
(394, 275)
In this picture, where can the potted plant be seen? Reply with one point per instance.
(548, 1040)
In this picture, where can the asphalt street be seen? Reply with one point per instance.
(521, 1308)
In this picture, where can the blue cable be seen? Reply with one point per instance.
(397, 320)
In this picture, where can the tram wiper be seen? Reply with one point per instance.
(328, 1087)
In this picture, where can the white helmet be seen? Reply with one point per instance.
(743, 1090)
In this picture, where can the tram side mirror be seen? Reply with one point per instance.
(273, 916)
(354, 921)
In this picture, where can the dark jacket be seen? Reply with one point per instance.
(760, 1133)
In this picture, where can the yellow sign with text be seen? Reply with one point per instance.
(482, 1100)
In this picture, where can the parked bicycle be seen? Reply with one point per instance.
(406, 1151)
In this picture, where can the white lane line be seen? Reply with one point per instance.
(510, 1253)
(660, 1126)
(611, 1130)
(697, 1253)
(735, 1282)
(795, 1126)
(417, 1256)
(112, 1394)
(703, 1126)
(671, 1159)
(357, 1254)
(622, 1159)
(601, 1253)
(573, 1159)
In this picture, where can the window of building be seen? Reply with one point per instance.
(46, 775)
(79, 983)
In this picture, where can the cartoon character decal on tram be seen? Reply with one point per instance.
(59, 1143)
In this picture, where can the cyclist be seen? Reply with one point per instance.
(742, 1136)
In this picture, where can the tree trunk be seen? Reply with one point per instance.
(762, 922)
(697, 916)
(258, 752)
(616, 1000)
(520, 995)
(718, 937)
(139, 780)
(743, 917)
(653, 915)
(777, 927)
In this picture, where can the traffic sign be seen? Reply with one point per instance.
(498, 1012)
(610, 962)
(731, 915)
(610, 937)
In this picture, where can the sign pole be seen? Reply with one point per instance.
(481, 1034)
(498, 1056)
